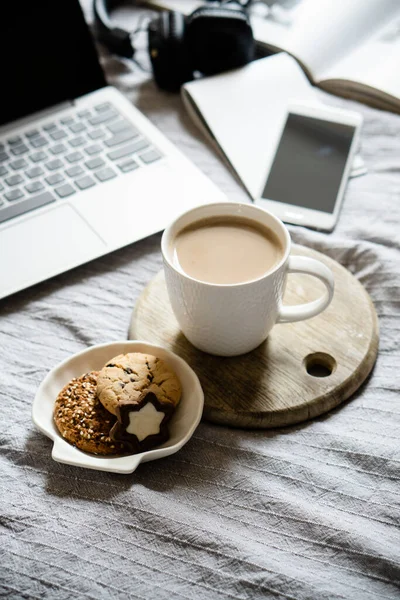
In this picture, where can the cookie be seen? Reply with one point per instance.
(125, 377)
(82, 420)
(143, 425)
(142, 391)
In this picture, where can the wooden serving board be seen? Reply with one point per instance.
(301, 371)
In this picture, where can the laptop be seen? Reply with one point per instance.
(82, 171)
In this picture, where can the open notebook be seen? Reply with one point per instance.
(347, 47)
(242, 113)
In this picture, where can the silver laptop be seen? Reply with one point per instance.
(82, 172)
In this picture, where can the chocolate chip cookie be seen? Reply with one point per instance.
(82, 420)
(125, 377)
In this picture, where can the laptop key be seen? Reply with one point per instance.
(32, 133)
(38, 141)
(105, 174)
(25, 205)
(77, 127)
(13, 195)
(20, 149)
(95, 163)
(103, 117)
(58, 134)
(54, 179)
(1, 189)
(84, 113)
(4, 156)
(3, 171)
(121, 137)
(38, 156)
(93, 149)
(64, 190)
(96, 134)
(74, 171)
(150, 156)
(17, 139)
(34, 186)
(85, 182)
(120, 125)
(127, 166)
(129, 149)
(52, 165)
(58, 149)
(50, 127)
(34, 172)
(103, 106)
(74, 157)
(20, 163)
(67, 120)
(14, 179)
(78, 141)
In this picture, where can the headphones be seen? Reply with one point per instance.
(214, 38)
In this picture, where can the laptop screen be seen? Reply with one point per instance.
(47, 56)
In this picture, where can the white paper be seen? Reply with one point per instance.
(245, 110)
(325, 31)
(375, 63)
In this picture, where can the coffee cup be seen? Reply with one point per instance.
(225, 267)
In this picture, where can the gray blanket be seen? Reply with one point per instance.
(306, 512)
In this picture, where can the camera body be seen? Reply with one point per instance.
(214, 38)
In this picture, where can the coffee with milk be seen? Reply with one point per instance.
(226, 250)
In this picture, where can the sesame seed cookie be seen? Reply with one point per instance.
(82, 420)
(143, 392)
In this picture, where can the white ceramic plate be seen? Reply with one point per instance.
(182, 425)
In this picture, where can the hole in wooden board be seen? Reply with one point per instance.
(319, 364)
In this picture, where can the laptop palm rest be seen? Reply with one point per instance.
(53, 241)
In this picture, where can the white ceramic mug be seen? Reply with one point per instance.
(232, 319)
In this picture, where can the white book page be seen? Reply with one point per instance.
(375, 63)
(328, 30)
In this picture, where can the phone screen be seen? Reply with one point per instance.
(308, 166)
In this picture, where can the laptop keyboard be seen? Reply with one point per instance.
(68, 155)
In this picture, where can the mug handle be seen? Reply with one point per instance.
(310, 266)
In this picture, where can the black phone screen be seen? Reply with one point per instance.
(308, 166)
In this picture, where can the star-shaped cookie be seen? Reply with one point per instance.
(143, 423)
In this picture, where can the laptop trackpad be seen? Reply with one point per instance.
(44, 245)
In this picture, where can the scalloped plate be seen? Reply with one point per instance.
(182, 426)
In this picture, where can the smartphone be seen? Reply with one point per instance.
(313, 157)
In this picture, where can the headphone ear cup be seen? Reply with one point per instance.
(168, 52)
(219, 38)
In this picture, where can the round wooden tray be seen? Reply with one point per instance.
(301, 371)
